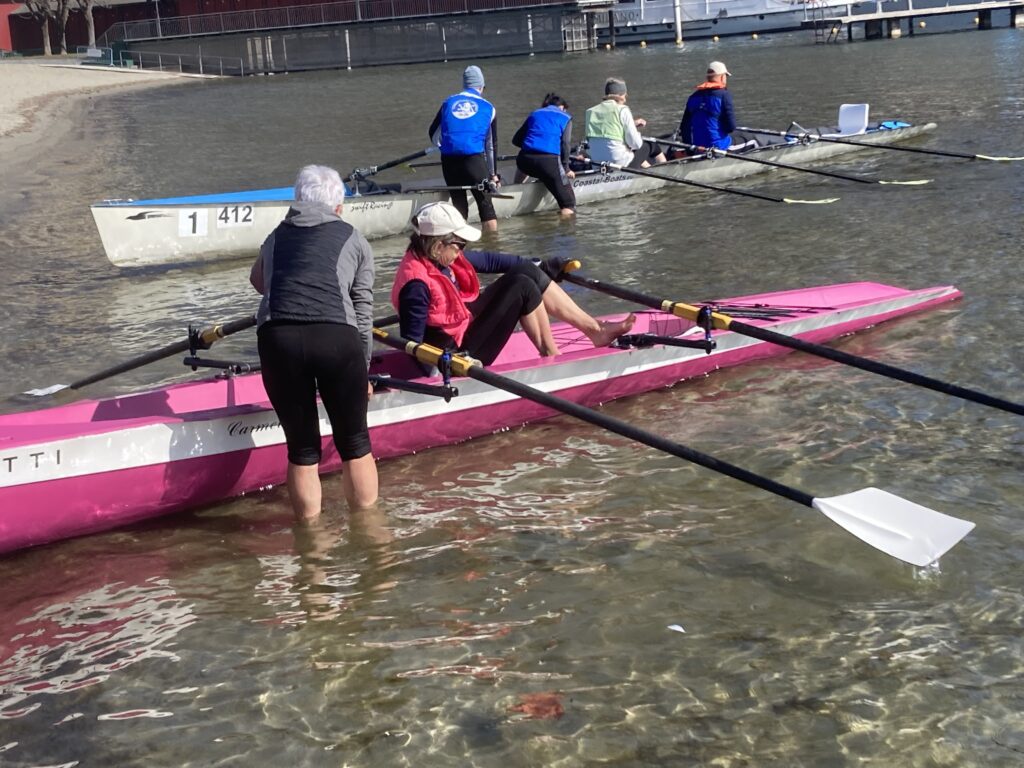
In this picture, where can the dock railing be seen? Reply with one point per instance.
(345, 11)
(190, 63)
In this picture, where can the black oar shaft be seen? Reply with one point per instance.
(700, 184)
(869, 144)
(770, 163)
(208, 336)
(463, 367)
(632, 432)
(725, 322)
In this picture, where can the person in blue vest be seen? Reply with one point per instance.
(466, 130)
(709, 117)
(314, 334)
(544, 139)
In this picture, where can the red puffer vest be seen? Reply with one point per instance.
(448, 309)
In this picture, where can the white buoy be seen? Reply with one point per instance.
(921, 24)
(714, 39)
(643, 43)
(754, 36)
(607, 46)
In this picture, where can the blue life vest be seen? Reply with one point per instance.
(544, 128)
(465, 122)
(711, 118)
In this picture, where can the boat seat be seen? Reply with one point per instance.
(853, 120)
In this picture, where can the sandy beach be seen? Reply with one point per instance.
(29, 87)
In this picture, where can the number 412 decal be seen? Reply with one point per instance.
(234, 216)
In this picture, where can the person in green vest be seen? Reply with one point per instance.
(613, 133)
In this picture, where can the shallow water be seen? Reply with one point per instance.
(554, 559)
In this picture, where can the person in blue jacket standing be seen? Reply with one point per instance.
(544, 140)
(709, 117)
(466, 130)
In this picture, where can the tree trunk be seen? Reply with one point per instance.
(62, 21)
(45, 26)
(90, 24)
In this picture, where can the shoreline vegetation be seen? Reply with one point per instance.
(41, 102)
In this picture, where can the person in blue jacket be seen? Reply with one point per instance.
(709, 117)
(466, 130)
(544, 139)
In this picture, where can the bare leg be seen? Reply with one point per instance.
(601, 334)
(359, 481)
(660, 158)
(566, 212)
(537, 327)
(489, 226)
(304, 490)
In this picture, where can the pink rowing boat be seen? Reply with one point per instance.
(94, 465)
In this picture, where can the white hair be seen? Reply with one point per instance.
(320, 184)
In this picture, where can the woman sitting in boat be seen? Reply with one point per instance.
(544, 140)
(314, 331)
(439, 301)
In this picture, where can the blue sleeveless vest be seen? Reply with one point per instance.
(465, 123)
(544, 129)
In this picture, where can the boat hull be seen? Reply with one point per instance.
(217, 227)
(99, 464)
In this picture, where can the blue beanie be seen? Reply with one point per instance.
(473, 78)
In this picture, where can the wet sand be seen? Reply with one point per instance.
(40, 103)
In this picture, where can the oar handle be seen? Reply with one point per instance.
(363, 173)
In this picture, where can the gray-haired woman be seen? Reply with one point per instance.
(314, 327)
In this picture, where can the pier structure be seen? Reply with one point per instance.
(355, 33)
(889, 23)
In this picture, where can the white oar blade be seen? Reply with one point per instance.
(908, 183)
(999, 159)
(898, 527)
(823, 201)
(44, 391)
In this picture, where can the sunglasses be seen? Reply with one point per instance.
(459, 244)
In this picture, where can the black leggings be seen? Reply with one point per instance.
(297, 360)
(495, 313)
(468, 170)
(549, 171)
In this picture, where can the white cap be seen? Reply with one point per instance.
(439, 219)
(718, 68)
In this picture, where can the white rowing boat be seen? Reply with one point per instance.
(204, 228)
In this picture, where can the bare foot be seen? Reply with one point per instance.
(611, 331)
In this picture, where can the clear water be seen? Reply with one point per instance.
(511, 601)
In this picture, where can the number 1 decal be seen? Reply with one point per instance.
(192, 222)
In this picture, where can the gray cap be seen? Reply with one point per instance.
(613, 86)
(473, 77)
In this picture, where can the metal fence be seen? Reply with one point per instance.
(193, 63)
(346, 11)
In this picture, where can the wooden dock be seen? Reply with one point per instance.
(882, 24)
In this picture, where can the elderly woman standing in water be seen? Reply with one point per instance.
(314, 328)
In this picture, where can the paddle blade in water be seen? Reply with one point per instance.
(44, 391)
(823, 201)
(911, 183)
(999, 159)
(898, 527)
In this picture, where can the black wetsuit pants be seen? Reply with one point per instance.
(468, 170)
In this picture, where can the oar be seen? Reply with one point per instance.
(500, 158)
(892, 524)
(465, 188)
(725, 322)
(363, 173)
(787, 166)
(703, 185)
(206, 338)
(804, 136)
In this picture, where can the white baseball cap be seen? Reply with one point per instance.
(439, 219)
(718, 68)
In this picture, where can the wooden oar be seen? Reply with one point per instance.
(431, 163)
(804, 136)
(894, 525)
(787, 166)
(704, 185)
(206, 338)
(725, 322)
(364, 173)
